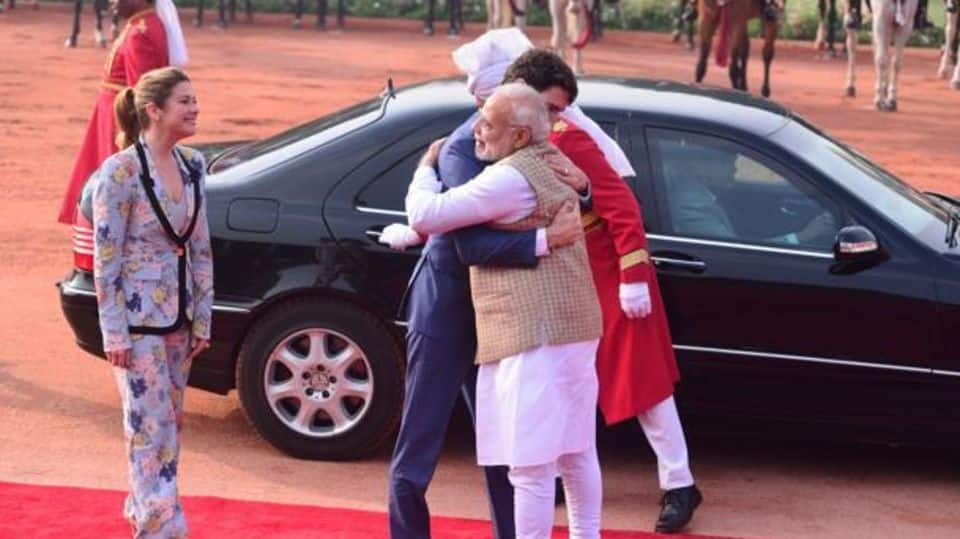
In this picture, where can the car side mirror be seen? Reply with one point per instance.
(856, 249)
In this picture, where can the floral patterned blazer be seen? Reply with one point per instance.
(135, 262)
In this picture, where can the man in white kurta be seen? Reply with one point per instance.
(536, 410)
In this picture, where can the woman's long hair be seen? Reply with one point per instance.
(130, 105)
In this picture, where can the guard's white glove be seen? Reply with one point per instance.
(399, 237)
(635, 300)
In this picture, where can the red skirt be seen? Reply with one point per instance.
(635, 361)
(98, 144)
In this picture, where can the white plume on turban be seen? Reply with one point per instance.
(611, 150)
(485, 60)
(176, 45)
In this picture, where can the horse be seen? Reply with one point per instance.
(573, 27)
(455, 10)
(951, 43)
(892, 22)
(733, 44)
(223, 6)
(99, 7)
(685, 18)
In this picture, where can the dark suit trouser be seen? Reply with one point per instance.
(437, 370)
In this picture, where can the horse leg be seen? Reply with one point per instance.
(75, 31)
(222, 9)
(708, 26)
(737, 65)
(428, 21)
(820, 42)
(341, 14)
(678, 20)
(949, 57)
(851, 28)
(248, 8)
(492, 14)
(900, 37)
(954, 49)
(882, 21)
(521, 20)
(770, 30)
(297, 13)
(198, 20)
(744, 58)
(452, 10)
(98, 8)
(831, 29)
(321, 15)
(558, 18)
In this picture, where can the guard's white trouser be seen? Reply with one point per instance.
(661, 425)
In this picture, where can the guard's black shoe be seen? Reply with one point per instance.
(677, 507)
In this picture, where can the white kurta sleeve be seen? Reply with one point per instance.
(499, 193)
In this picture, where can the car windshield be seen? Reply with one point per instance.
(911, 210)
(302, 137)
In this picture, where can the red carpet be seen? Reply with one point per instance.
(36, 512)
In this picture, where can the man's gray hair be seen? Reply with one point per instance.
(527, 109)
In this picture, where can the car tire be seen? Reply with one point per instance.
(288, 360)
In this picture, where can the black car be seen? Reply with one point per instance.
(803, 283)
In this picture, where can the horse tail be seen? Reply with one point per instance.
(723, 42)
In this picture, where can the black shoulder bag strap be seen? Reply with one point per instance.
(180, 241)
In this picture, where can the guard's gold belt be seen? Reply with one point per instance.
(590, 221)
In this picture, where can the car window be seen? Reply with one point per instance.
(719, 190)
(388, 189)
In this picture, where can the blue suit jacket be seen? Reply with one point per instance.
(437, 302)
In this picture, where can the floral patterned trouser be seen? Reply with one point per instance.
(151, 391)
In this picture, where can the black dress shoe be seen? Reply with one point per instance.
(677, 507)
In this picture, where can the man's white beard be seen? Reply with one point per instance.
(492, 154)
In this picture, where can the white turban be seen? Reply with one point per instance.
(176, 45)
(485, 60)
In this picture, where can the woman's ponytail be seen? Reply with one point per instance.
(127, 117)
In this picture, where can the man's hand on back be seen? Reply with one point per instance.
(432, 155)
(566, 171)
(565, 228)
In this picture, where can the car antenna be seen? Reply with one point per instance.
(388, 91)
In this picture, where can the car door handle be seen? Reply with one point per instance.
(671, 260)
(374, 233)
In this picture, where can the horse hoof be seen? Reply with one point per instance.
(296, 24)
(70, 43)
(197, 22)
(675, 37)
(955, 85)
(820, 45)
(851, 91)
(891, 105)
(765, 92)
(428, 30)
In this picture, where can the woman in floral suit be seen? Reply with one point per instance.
(154, 280)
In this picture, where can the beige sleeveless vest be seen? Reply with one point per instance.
(554, 303)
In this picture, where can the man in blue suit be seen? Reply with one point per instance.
(441, 337)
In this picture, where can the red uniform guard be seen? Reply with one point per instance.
(635, 361)
(141, 46)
